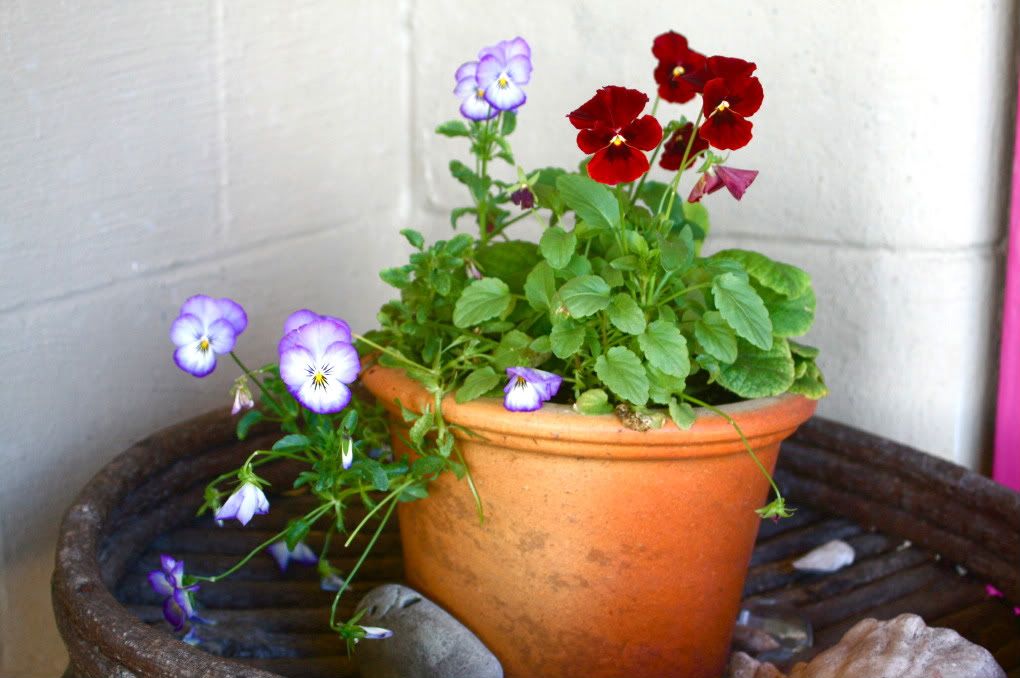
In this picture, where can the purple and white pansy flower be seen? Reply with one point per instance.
(247, 501)
(317, 362)
(168, 582)
(528, 388)
(502, 70)
(473, 105)
(284, 556)
(205, 328)
(376, 633)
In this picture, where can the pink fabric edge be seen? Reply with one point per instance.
(1006, 469)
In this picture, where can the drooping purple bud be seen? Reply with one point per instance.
(523, 198)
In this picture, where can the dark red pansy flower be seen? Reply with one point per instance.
(729, 67)
(611, 129)
(727, 102)
(673, 149)
(681, 72)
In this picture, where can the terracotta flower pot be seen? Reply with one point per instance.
(604, 551)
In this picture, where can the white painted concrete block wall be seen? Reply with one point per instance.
(271, 150)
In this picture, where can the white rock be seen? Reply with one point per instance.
(829, 557)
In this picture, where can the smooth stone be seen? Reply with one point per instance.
(427, 641)
(828, 557)
(744, 666)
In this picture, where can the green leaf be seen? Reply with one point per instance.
(396, 277)
(676, 253)
(716, 337)
(292, 443)
(625, 314)
(695, 215)
(514, 350)
(540, 287)
(376, 474)
(743, 309)
(245, 423)
(787, 280)
(544, 188)
(453, 128)
(759, 373)
(297, 530)
(803, 350)
(790, 317)
(682, 414)
(591, 201)
(557, 246)
(811, 383)
(427, 465)
(421, 427)
(585, 295)
(481, 300)
(662, 386)
(593, 401)
(479, 186)
(509, 122)
(622, 371)
(416, 239)
(458, 212)
(509, 261)
(566, 338)
(666, 349)
(477, 384)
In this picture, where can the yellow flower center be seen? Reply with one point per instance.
(617, 140)
(521, 382)
(678, 71)
(203, 345)
(503, 81)
(319, 379)
(722, 106)
(480, 93)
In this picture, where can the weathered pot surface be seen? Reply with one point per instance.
(604, 551)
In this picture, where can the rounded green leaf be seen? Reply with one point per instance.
(716, 337)
(557, 246)
(743, 309)
(790, 317)
(682, 414)
(481, 300)
(591, 201)
(566, 338)
(540, 287)
(666, 348)
(585, 295)
(477, 384)
(593, 401)
(759, 373)
(622, 372)
(625, 314)
(787, 280)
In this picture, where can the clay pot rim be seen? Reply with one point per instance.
(558, 429)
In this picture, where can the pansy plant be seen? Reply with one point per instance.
(615, 309)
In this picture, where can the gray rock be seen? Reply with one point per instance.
(744, 666)
(903, 647)
(427, 642)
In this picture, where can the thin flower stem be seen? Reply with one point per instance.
(357, 565)
(251, 375)
(683, 165)
(743, 439)
(312, 516)
(390, 352)
(392, 495)
(685, 290)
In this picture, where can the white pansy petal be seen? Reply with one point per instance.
(519, 69)
(376, 633)
(246, 509)
(303, 554)
(489, 70)
(222, 336)
(466, 70)
(299, 319)
(326, 399)
(294, 363)
(466, 87)
(505, 98)
(187, 329)
(477, 108)
(203, 307)
(195, 361)
(518, 47)
(233, 313)
(278, 550)
(344, 360)
(522, 397)
(317, 335)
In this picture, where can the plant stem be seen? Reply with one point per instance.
(392, 495)
(683, 165)
(251, 375)
(743, 439)
(357, 566)
(390, 352)
(685, 290)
